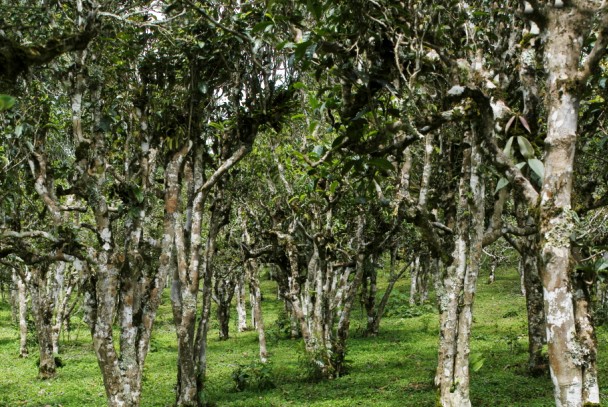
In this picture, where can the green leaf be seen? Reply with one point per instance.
(305, 49)
(139, 194)
(601, 265)
(477, 361)
(217, 126)
(503, 182)
(301, 49)
(298, 85)
(520, 165)
(525, 147)
(508, 147)
(6, 102)
(315, 8)
(537, 166)
(381, 164)
(332, 188)
(338, 141)
(18, 130)
(262, 26)
(286, 44)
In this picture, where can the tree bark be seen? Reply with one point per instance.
(254, 286)
(241, 304)
(224, 289)
(571, 364)
(373, 326)
(460, 281)
(532, 289)
(21, 307)
(42, 308)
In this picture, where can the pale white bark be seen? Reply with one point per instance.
(241, 306)
(415, 270)
(568, 356)
(21, 313)
(458, 293)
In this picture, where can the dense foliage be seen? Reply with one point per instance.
(192, 146)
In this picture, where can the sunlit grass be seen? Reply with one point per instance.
(394, 369)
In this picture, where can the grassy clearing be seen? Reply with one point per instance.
(394, 369)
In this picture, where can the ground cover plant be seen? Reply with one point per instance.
(396, 368)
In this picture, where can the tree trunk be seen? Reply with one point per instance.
(423, 279)
(224, 290)
(569, 358)
(532, 288)
(368, 291)
(21, 308)
(586, 334)
(42, 308)
(537, 363)
(251, 269)
(241, 305)
(460, 282)
(252, 275)
(349, 298)
(374, 328)
(185, 287)
(414, 281)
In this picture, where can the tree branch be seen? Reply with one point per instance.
(591, 64)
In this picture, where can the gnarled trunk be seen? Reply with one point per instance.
(458, 292)
(571, 361)
(224, 289)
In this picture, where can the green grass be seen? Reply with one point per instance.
(394, 369)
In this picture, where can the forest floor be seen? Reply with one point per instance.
(394, 369)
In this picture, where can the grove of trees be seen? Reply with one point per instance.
(154, 145)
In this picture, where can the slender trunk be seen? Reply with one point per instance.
(254, 287)
(522, 276)
(344, 317)
(224, 291)
(584, 324)
(21, 313)
(529, 264)
(532, 287)
(493, 264)
(219, 218)
(257, 310)
(460, 282)
(537, 363)
(294, 327)
(368, 291)
(185, 287)
(14, 298)
(374, 328)
(63, 289)
(414, 281)
(223, 316)
(42, 308)
(241, 305)
(423, 280)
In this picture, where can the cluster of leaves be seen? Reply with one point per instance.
(255, 376)
(399, 306)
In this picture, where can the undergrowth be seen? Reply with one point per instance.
(396, 368)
